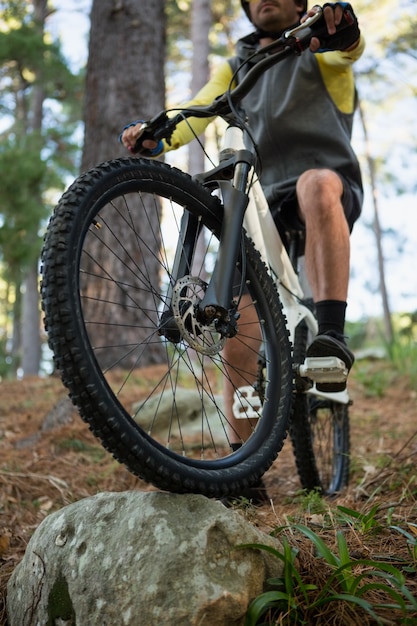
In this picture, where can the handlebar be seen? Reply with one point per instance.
(292, 41)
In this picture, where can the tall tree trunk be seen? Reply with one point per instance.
(31, 344)
(31, 340)
(388, 329)
(125, 82)
(125, 72)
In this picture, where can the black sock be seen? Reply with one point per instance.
(331, 316)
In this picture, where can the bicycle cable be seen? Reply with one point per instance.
(239, 115)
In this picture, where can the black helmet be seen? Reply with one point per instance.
(245, 6)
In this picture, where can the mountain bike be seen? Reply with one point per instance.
(150, 277)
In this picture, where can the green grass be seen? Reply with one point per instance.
(401, 352)
(350, 560)
(293, 600)
(403, 356)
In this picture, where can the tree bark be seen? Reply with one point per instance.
(30, 325)
(125, 82)
(31, 343)
(125, 72)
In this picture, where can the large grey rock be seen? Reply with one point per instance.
(140, 559)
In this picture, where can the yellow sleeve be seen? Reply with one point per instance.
(195, 126)
(336, 71)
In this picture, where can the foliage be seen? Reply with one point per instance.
(403, 355)
(405, 40)
(21, 211)
(301, 602)
(353, 559)
(402, 351)
(6, 361)
(179, 45)
(396, 357)
(178, 19)
(349, 580)
(29, 60)
(311, 501)
(411, 536)
(363, 522)
(40, 103)
(386, 79)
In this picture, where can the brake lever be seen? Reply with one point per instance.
(312, 19)
(299, 37)
(290, 37)
(315, 26)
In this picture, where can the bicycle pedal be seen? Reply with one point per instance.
(246, 403)
(324, 369)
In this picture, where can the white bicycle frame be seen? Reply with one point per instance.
(261, 228)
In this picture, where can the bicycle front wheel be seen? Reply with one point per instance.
(146, 374)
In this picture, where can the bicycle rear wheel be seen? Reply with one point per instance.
(146, 375)
(319, 431)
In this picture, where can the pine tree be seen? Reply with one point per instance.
(125, 82)
(34, 156)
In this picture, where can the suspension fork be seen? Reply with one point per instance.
(217, 299)
(231, 177)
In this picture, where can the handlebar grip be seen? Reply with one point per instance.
(158, 128)
(139, 149)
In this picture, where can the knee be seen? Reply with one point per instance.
(320, 181)
(319, 190)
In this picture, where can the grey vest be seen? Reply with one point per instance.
(296, 125)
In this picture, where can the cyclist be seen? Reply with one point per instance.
(300, 114)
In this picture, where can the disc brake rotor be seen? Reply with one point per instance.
(187, 293)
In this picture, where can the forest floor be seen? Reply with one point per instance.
(43, 469)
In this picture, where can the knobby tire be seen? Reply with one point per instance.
(106, 272)
(320, 434)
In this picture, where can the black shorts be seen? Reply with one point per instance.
(287, 217)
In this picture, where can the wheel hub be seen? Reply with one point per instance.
(205, 338)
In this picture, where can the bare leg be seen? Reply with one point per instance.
(327, 234)
(241, 356)
(327, 255)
